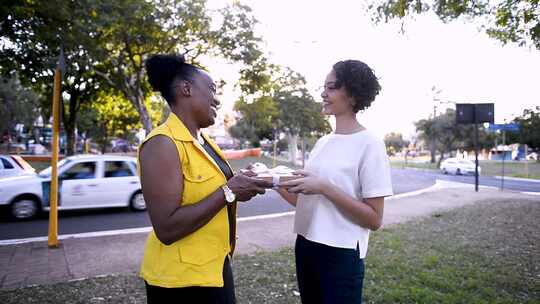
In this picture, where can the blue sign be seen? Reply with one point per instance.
(511, 127)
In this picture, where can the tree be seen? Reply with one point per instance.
(111, 115)
(18, 105)
(258, 120)
(395, 142)
(33, 32)
(167, 26)
(444, 135)
(298, 115)
(529, 128)
(506, 20)
(106, 45)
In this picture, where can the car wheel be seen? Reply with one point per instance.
(137, 202)
(444, 171)
(25, 208)
(458, 172)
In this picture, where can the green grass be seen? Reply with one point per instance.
(530, 169)
(418, 165)
(485, 253)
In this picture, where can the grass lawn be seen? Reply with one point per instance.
(487, 253)
(530, 169)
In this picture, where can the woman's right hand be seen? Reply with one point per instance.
(246, 187)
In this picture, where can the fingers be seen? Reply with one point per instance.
(262, 183)
(302, 172)
(297, 189)
(291, 183)
(248, 173)
(260, 190)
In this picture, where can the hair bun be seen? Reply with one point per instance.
(162, 69)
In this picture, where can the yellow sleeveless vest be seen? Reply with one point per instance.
(196, 259)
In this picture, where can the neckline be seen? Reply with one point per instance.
(334, 134)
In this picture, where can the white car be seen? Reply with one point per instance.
(458, 166)
(85, 181)
(14, 165)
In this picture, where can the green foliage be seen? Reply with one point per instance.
(281, 104)
(33, 33)
(168, 26)
(529, 132)
(258, 119)
(106, 43)
(17, 105)
(506, 20)
(395, 142)
(111, 115)
(443, 134)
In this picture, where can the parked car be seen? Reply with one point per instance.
(458, 166)
(85, 181)
(14, 165)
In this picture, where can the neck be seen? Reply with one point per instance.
(347, 124)
(190, 124)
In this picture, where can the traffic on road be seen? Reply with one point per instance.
(100, 219)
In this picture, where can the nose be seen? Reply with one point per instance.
(216, 102)
(323, 93)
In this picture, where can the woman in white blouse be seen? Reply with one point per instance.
(339, 198)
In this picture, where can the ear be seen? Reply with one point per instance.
(185, 88)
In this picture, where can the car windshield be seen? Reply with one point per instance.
(47, 172)
(467, 162)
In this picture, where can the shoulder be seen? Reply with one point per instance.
(370, 138)
(158, 146)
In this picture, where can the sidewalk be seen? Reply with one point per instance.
(77, 258)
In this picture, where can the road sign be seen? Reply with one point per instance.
(511, 127)
(474, 113)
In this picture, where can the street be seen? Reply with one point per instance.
(72, 222)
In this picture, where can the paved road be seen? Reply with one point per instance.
(70, 222)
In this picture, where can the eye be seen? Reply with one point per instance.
(330, 86)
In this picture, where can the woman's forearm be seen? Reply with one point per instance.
(186, 219)
(367, 213)
(291, 198)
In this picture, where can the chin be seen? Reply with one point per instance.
(327, 112)
(210, 122)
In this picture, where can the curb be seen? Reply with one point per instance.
(532, 180)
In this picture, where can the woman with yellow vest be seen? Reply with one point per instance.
(190, 191)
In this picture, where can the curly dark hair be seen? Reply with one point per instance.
(359, 81)
(163, 69)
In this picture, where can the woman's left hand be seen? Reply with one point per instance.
(308, 183)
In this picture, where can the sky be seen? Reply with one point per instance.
(460, 61)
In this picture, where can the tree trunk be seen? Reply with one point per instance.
(137, 100)
(433, 152)
(440, 159)
(293, 147)
(303, 143)
(69, 118)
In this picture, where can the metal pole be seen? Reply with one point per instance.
(53, 197)
(504, 156)
(475, 149)
(476, 155)
(526, 163)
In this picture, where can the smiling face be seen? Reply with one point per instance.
(205, 104)
(336, 100)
